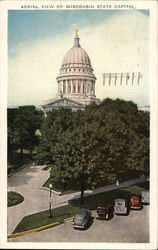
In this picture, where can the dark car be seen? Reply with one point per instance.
(135, 202)
(120, 207)
(105, 211)
(82, 218)
(145, 197)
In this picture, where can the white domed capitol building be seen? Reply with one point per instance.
(76, 81)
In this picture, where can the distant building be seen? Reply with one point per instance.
(76, 81)
(144, 108)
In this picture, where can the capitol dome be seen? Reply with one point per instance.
(76, 55)
(76, 79)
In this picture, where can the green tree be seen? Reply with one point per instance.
(55, 123)
(12, 145)
(94, 146)
(22, 125)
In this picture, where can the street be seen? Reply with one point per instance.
(133, 228)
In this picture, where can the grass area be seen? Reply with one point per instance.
(60, 188)
(73, 187)
(91, 202)
(41, 219)
(14, 198)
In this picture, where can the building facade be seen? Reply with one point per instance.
(76, 81)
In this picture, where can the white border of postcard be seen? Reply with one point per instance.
(152, 6)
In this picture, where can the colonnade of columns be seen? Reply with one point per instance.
(76, 86)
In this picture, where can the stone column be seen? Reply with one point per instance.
(63, 86)
(94, 88)
(76, 86)
(85, 87)
(58, 87)
(81, 86)
(66, 82)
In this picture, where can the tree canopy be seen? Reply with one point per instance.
(95, 145)
(22, 125)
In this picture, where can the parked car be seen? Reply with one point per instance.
(135, 202)
(145, 197)
(82, 218)
(105, 211)
(120, 207)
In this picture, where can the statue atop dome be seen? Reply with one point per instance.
(76, 32)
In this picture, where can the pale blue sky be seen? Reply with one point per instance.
(115, 40)
(30, 25)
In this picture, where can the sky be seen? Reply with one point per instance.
(115, 40)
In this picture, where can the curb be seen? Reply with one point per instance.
(67, 219)
(36, 230)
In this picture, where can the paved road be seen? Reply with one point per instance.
(28, 182)
(133, 228)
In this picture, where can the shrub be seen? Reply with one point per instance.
(14, 198)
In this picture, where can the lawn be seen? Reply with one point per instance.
(60, 188)
(42, 218)
(91, 202)
(14, 198)
(74, 187)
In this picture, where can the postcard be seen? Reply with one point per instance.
(78, 99)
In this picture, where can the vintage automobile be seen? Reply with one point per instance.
(81, 218)
(105, 211)
(120, 207)
(135, 202)
(145, 197)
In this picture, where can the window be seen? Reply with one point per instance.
(79, 86)
(69, 87)
(84, 86)
(74, 88)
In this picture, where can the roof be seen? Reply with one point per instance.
(82, 211)
(76, 55)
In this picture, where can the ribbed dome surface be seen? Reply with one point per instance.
(76, 55)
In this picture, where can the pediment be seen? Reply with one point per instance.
(64, 102)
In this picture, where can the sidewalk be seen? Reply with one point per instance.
(28, 182)
(107, 188)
